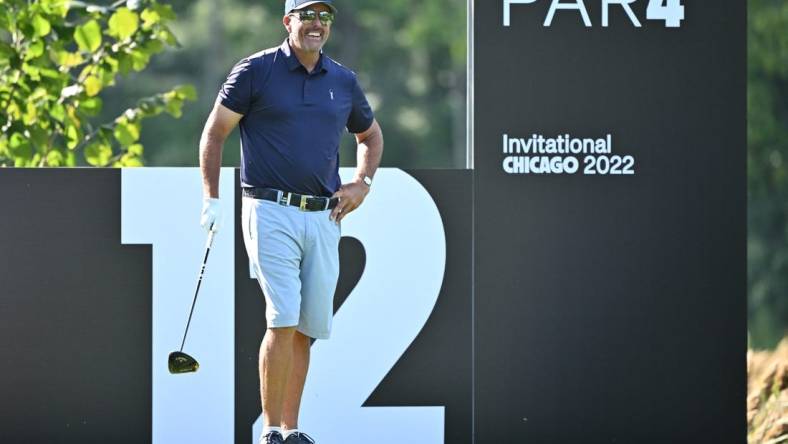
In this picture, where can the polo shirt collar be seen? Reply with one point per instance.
(293, 63)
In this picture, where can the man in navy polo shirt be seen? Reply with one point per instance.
(293, 104)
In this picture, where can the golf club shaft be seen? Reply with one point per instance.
(199, 281)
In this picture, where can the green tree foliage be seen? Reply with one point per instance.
(767, 138)
(56, 57)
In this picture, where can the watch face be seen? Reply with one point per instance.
(368, 181)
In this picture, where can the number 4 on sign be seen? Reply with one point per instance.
(671, 11)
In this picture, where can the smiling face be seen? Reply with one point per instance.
(308, 37)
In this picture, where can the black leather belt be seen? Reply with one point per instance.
(302, 201)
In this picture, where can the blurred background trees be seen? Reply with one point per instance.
(767, 171)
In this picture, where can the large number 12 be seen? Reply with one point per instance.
(402, 233)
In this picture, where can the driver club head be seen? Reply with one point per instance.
(180, 362)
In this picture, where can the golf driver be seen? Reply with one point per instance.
(180, 362)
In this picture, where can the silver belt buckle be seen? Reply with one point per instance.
(284, 198)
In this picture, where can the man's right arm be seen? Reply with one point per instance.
(220, 123)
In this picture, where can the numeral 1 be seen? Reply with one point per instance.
(161, 207)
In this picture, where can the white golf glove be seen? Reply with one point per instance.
(211, 217)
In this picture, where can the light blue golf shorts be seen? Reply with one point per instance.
(295, 258)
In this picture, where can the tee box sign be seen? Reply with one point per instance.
(610, 208)
(600, 299)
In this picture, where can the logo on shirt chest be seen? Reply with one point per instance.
(331, 93)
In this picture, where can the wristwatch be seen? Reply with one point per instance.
(367, 180)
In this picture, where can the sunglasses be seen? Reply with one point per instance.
(309, 15)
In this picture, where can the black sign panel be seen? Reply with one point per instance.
(75, 311)
(610, 213)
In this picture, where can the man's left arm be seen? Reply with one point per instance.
(368, 154)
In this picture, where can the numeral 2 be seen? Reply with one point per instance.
(402, 233)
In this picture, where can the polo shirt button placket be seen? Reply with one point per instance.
(306, 91)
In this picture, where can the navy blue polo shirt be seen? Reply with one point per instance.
(293, 120)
